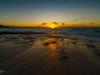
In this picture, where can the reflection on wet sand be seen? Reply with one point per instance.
(55, 50)
(53, 53)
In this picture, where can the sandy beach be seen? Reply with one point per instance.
(52, 54)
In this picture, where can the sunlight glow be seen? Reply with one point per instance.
(52, 26)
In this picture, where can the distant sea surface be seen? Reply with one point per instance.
(88, 32)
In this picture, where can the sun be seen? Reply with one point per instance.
(52, 25)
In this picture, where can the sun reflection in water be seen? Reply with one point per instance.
(52, 46)
(53, 51)
(55, 48)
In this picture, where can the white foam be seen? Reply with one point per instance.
(2, 71)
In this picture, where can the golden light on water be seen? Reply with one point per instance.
(52, 46)
(53, 51)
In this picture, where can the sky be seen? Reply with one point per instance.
(34, 12)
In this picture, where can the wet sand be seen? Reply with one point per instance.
(50, 54)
